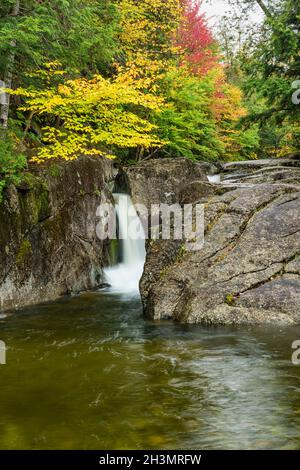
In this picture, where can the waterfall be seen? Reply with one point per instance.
(214, 178)
(125, 276)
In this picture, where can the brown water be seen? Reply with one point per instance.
(90, 373)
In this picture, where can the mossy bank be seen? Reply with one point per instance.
(48, 242)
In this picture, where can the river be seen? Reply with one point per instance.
(89, 372)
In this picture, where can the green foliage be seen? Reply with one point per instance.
(266, 63)
(249, 142)
(187, 123)
(79, 34)
(12, 162)
(270, 72)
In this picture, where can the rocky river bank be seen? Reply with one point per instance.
(48, 242)
(248, 271)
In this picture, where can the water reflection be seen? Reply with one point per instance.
(90, 373)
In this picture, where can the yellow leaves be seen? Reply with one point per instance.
(54, 66)
(49, 69)
(228, 99)
(95, 115)
(148, 31)
(139, 21)
(64, 90)
(232, 102)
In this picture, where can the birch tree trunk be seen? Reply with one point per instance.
(264, 8)
(5, 97)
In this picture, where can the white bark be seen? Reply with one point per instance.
(5, 97)
(264, 8)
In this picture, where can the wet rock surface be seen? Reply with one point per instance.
(158, 181)
(249, 269)
(48, 242)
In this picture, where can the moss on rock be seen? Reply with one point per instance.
(24, 253)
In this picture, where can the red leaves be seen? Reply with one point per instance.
(195, 39)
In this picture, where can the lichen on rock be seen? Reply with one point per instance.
(48, 239)
(248, 271)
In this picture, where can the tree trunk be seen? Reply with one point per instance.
(264, 8)
(5, 97)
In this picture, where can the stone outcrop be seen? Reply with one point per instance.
(158, 181)
(249, 269)
(285, 170)
(48, 243)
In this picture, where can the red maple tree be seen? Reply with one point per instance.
(196, 40)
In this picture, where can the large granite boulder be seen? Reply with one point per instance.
(284, 170)
(158, 181)
(48, 242)
(249, 269)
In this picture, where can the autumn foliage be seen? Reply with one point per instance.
(195, 40)
(98, 116)
(166, 93)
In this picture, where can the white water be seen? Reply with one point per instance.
(214, 178)
(125, 277)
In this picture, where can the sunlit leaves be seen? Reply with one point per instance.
(96, 117)
(162, 85)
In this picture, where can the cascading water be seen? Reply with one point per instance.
(214, 178)
(125, 276)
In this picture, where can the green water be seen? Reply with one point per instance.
(90, 373)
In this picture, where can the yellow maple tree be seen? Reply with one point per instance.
(96, 116)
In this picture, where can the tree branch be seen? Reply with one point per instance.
(264, 8)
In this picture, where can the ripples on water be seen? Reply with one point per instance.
(90, 373)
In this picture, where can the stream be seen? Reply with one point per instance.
(89, 372)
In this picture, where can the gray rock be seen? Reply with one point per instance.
(195, 191)
(255, 164)
(285, 171)
(249, 269)
(48, 243)
(293, 266)
(158, 181)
